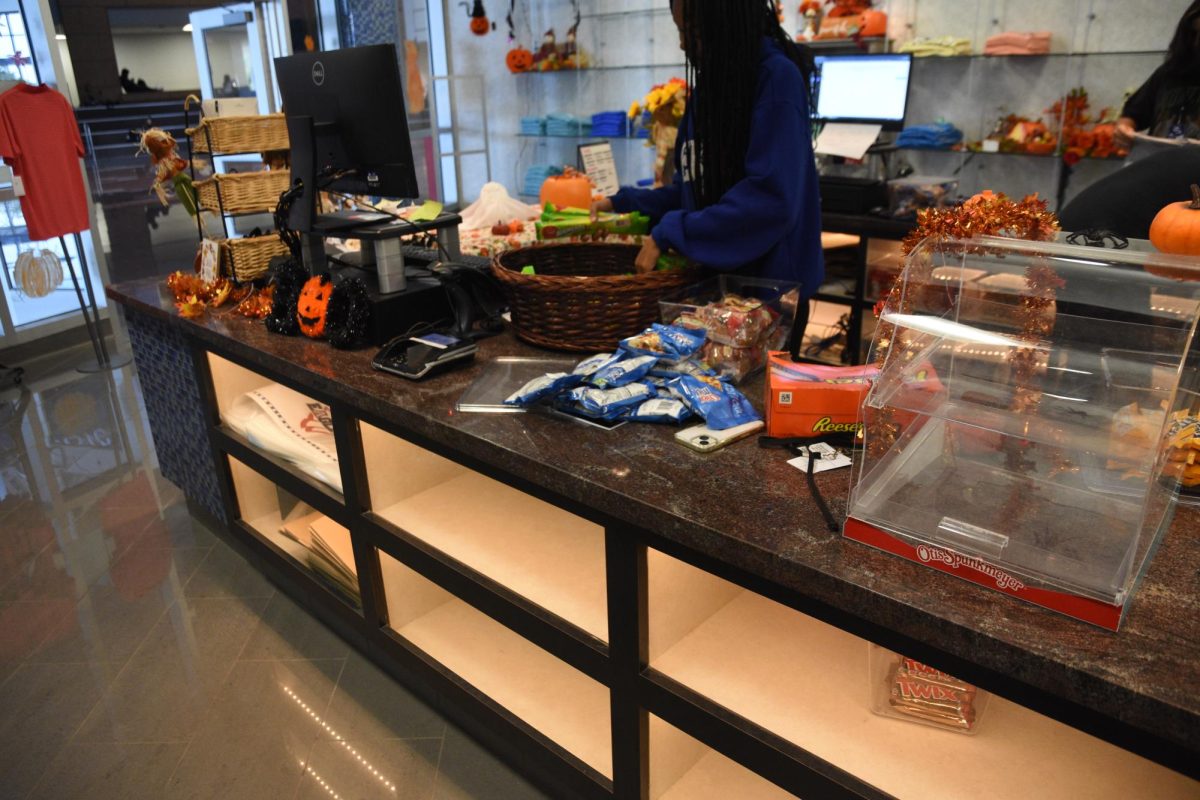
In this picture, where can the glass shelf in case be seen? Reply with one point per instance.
(1024, 431)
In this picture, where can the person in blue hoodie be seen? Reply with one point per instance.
(745, 194)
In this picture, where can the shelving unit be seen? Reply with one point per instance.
(559, 702)
(807, 682)
(520, 613)
(545, 554)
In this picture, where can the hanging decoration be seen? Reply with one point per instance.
(480, 25)
(169, 169)
(38, 272)
(519, 58)
(414, 89)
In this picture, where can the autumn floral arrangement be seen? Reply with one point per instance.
(665, 104)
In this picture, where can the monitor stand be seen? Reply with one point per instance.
(382, 254)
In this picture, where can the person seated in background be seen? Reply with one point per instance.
(127, 84)
(1167, 105)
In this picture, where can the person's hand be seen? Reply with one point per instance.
(647, 258)
(1123, 134)
(601, 206)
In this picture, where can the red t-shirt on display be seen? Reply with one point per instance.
(39, 139)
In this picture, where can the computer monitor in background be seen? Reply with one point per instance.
(348, 132)
(866, 89)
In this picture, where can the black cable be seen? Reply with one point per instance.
(815, 491)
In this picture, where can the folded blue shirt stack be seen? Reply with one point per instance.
(935, 136)
(610, 123)
(535, 176)
(533, 126)
(567, 125)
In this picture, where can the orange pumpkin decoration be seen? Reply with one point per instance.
(1176, 229)
(313, 304)
(570, 190)
(480, 26)
(519, 60)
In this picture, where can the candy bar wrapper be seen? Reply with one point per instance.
(907, 689)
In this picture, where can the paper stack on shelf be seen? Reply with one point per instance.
(291, 426)
(535, 176)
(610, 123)
(533, 126)
(567, 125)
(323, 545)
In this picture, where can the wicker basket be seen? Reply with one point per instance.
(249, 258)
(243, 192)
(227, 135)
(582, 298)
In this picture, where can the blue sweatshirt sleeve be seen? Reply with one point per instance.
(654, 203)
(757, 211)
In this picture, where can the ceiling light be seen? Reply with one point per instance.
(62, 37)
(187, 28)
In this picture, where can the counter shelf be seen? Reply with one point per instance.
(672, 651)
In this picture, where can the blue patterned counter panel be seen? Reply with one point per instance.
(175, 410)
(371, 22)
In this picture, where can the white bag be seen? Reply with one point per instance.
(291, 426)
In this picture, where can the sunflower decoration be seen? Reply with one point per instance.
(665, 104)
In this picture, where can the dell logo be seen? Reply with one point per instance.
(318, 73)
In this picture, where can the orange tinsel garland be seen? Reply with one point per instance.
(985, 214)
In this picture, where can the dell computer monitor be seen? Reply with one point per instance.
(346, 125)
(867, 89)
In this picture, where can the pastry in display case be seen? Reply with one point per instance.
(1034, 424)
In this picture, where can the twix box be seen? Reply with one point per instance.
(812, 400)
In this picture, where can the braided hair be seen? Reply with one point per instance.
(723, 41)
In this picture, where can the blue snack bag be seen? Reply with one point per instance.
(597, 362)
(691, 366)
(542, 386)
(623, 373)
(719, 404)
(604, 402)
(660, 409)
(681, 342)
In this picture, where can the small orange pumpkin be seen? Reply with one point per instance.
(480, 26)
(519, 60)
(313, 305)
(570, 190)
(1176, 228)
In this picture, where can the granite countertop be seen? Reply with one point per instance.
(745, 506)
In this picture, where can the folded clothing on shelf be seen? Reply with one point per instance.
(567, 125)
(291, 426)
(1012, 43)
(535, 176)
(610, 123)
(934, 136)
(533, 126)
(941, 46)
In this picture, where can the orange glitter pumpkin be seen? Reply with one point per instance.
(519, 60)
(313, 304)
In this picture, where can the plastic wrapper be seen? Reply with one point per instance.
(904, 688)
(732, 362)
(734, 320)
(543, 386)
(717, 402)
(623, 372)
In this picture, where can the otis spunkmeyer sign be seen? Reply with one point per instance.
(984, 573)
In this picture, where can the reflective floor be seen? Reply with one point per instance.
(140, 657)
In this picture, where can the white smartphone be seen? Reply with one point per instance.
(704, 439)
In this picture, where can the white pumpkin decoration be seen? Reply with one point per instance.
(38, 272)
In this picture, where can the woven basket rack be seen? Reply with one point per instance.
(583, 297)
(249, 258)
(256, 134)
(243, 192)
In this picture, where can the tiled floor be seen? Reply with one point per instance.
(140, 657)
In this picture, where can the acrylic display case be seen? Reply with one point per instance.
(1031, 425)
